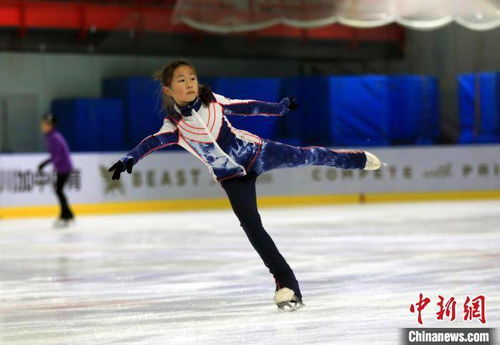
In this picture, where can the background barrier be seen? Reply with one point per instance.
(176, 180)
(373, 110)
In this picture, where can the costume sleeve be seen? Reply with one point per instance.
(166, 136)
(250, 107)
(44, 163)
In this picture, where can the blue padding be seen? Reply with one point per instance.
(334, 111)
(479, 102)
(290, 127)
(364, 110)
(429, 129)
(142, 100)
(359, 110)
(91, 124)
(414, 109)
(263, 89)
(311, 122)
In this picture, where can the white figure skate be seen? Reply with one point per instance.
(286, 300)
(372, 161)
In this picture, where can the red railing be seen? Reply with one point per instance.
(151, 16)
(163, 3)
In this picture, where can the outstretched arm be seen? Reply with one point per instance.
(166, 136)
(44, 163)
(154, 142)
(251, 107)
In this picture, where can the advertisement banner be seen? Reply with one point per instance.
(178, 175)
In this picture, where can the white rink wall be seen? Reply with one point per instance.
(178, 175)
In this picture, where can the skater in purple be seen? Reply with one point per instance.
(196, 120)
(60, 158)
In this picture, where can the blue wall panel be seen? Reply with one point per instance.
(359, 110)
(479, 102)
(364, 110)
(91, 124)
(142, 105)
(414, 109)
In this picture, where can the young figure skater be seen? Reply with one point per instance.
(60, 158)
(196, 120)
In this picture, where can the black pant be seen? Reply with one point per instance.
(63, 202)
(241, 193)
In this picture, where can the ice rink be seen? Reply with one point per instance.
(193, 278)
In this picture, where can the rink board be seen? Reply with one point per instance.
(178, 181)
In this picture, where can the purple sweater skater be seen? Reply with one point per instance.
(59, 157)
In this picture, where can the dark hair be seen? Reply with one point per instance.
(166, 74)
(50, 119)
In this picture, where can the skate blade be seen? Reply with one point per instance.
(289, 306)
(61, 224)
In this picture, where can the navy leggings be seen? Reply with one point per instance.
(243, 199)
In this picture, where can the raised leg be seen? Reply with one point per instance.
(274, 155)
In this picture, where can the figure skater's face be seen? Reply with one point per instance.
(46, 127)
(184, 86)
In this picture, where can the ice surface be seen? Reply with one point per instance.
(193, 278)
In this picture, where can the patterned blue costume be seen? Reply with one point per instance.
(228, 152)
(236, 158)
